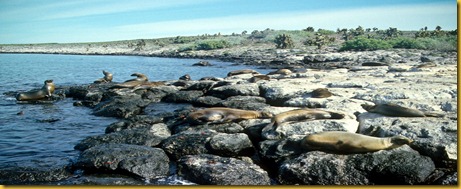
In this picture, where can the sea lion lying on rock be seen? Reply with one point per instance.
(281, 72)
(222, 115)
(238, 72)
(106, 79)
(321, 93)
(131, 83)
(341, 142)
(395, 110)
(45, 92)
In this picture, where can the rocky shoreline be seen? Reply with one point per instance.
(147, 149)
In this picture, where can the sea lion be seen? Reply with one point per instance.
(281, 72)
(45, 92)
(222, 115)
(341, 142)
(185, 77)
(257, 78)
(238, 72)
(304, 114)
(139, 77)
(395, 110)
(321, 93)
(106, 79)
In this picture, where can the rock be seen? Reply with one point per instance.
(245, 102)
(188, 143)
(425, 59)
(155, 94)
(143, 161)
(121, 106)
(221, 127)
(208, 169)
(36, 172)
(226, 91)
(146, 136)
(276, 151)
(134, 122)
(202, 63)
(183, 96)
(397, 166)
(434, 137)
(201, 86)
(277, 92)
(207, 101)
(237, 144)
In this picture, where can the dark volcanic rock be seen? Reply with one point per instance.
(226, 91)
(209, 169)
(221, 127)
(207, 101)
(399, 166)
(146, 136)
(35, 172)
(156, 94)
(121, 106)
(183, 96)
(245, 102)
(134, 122)
(187, 143)
(231, 144)
(143, 161)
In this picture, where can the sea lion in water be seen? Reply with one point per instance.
(395, 110)
(238, 72)
(185, 77)
(341, 142)
(45, 92)
(106, 79)
(222, 115)
(321, 93)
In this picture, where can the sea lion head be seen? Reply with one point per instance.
(337, 115)
(185, 77)
(48, 81)
(137, 74)
(400, 140)
(266, 115)
(367, 107)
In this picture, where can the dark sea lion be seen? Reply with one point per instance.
(304, 114)
(185, 77)
(210, 79)
(341, 142)
(281, 72)
(321, 93)
(45, 92)
(395, 110)
(106, 79)
(238, 72)
(427, 65)
(223, 115)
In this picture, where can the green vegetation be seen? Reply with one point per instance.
(353, 39)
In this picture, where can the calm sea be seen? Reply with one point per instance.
(29, 137)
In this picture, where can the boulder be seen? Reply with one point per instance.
(209, 169)
(183, 96)
(36, 172)
(226, 91)
(237, 144)
(188, 143)
(143, 161)
(121, 106)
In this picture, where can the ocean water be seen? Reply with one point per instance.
(52, 130)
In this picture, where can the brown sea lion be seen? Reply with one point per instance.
(106, 79)
(281, 72)
(341, 142)
(321, 93)
(222, 115)
(238, 72)
(395, 110)
(304, 114)
(45, 92)
(139, 77)
(257, 78)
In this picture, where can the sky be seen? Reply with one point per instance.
(73, 21)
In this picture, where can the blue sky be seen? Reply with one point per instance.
(65, 21)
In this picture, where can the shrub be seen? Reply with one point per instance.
(283, 41)
(213, 44)
(406, 43)
(362, 44)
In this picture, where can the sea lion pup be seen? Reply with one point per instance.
(395, 110)
(45, 92)
(238, 72)
(185, 77)
(223, 115)
(139, 77)
(106, 79)
(282, 71)
(341, 142)
(321, 93)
